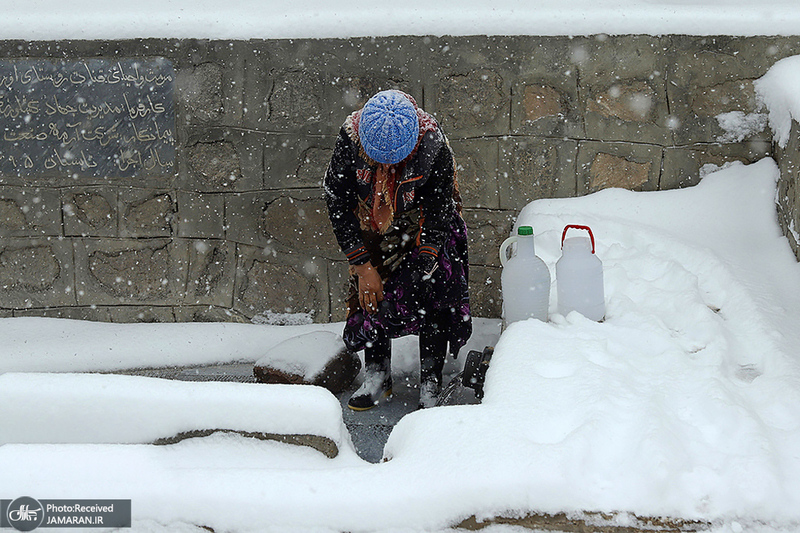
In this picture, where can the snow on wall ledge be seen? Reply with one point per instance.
(93, 19)
(777, 89)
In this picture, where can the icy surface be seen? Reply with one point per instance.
(682, 403)
(246, 19)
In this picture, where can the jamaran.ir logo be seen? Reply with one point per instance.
(25, 514)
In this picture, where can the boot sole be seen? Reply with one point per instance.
(374, 405)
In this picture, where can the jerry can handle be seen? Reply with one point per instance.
(576, 226)
(504, 248)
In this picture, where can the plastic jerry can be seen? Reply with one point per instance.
(525, 279)
(579, 276)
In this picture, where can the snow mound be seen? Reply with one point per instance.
(96, 409)
(778, 90)
(33, 344)
(304, 355)
(681, 403)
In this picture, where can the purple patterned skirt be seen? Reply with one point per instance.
(408, 301)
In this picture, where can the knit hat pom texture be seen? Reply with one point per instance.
(388, 127)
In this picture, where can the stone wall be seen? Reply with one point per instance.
(789, 188)
(240, 228)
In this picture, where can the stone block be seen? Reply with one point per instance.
(544, 99)
(713, 75)
(292, 220)
(312, 85)
(149, 314)
(207, 313)
(318, 358)
(623, 80)
(486, 230)
(210, 81)
(470, 83)
(485, 294)
(477, 172)
(36, 273)
(26, 212)
(630, 166)
(212, 272)
(201, 215)
(200, 93)
(221, 160)
(90, 211)
(71, 313)
(682, 165)
(147, 213)
(120, 314)
(243, 217)
(130, 271)
(532, 168)
(293, 161)
(281, 283)
(300, 221)
(338, 283)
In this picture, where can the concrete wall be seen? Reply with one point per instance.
(239, 227)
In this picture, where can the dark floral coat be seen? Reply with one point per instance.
(426, 229)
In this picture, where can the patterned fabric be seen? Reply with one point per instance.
(407, 299)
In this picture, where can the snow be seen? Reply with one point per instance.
(739, 125)
(81, 346)
(47, 345)
(778, 90)
(96, 409)
(304, 355)
(246, 19)
(682, 403)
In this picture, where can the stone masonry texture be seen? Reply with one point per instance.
(236, 226)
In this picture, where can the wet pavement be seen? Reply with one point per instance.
(369, 430)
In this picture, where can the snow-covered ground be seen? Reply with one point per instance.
(270, 19)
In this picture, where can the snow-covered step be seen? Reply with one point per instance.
(102, 408)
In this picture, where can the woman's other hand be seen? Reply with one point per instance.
(370, 287)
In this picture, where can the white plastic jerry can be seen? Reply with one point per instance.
(579, 276)
(525, 279)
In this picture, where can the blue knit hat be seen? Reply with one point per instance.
(388, 127)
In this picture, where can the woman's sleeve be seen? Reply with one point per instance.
(438, 206)
(340, 195)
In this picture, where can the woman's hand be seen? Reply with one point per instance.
(370, 287)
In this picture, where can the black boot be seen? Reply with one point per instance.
(377, 385)
(432, 352)
(429, 390)
(377, 376)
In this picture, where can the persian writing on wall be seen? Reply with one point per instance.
(100, 118)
